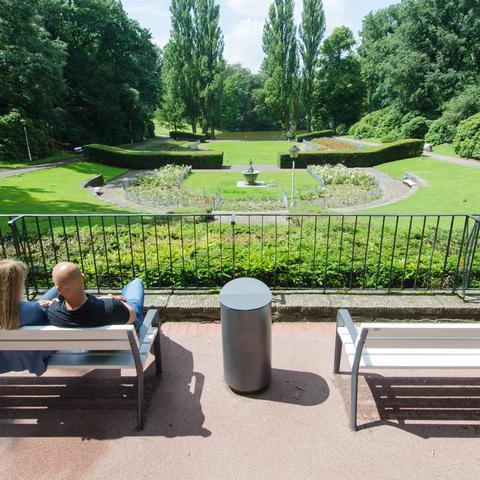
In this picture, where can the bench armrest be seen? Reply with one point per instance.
(151, 318)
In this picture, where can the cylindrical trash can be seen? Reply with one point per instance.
(246, 317)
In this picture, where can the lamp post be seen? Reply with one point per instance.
(24, 125)
(293, 155)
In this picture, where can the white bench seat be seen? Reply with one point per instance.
(112, 346)
(404, 345)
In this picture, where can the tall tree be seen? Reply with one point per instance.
(31, 87)
(311, 32)
(210, 65)
(340, 89)
(182, 59)
(281, 62)
(112, 71)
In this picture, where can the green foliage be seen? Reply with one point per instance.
(188, 136)
(340, 90)
(13, 144)
(459, 108)
(310, 34)
(145, 160)
(467, 139)
(312, 135)
(419, 54)
(363, 158)
(281, 64)
(298, 254)
(416, 127)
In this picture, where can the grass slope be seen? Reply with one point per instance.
(52, 158)
(55, 190)
(451, 188)
(446, 149)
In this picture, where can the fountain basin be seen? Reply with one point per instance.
(250, 176)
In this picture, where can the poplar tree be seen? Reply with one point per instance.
(210, 65)
(311, 32)
(280, 64)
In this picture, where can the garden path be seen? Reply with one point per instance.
(5, 173)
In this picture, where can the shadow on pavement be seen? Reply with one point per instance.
(102, 404)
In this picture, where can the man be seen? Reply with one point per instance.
(76, 308)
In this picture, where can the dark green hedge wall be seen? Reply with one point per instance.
(312, 135)
(363, 158)
(146, 160)
(188, 136)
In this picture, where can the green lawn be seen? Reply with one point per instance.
(226, 183)
(451, 188)
(55, 190)
(252, 136)
(239, 153)
(52, 158)
(445, 149)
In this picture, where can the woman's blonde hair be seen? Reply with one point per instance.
(12, 281)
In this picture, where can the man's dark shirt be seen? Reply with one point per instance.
(95, 312)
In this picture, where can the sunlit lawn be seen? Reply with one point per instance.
(445, 149)
(239, 153)
(226, 183)
(55, 190)
(52, 158)
(451, 188)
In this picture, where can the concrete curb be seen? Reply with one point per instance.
(323, 307)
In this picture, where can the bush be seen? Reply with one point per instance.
(146, 160)
(12, 138)
(312, 135)
(176, 135)
(459, 108)
(379, 124)
(416, 127)
(467, 139)
(363, 158)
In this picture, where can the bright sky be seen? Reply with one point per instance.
(242, 22)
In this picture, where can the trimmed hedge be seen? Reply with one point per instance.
(363, 158)
(176, 135)
(146, 160)
(312, 135)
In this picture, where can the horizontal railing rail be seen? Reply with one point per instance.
(365, 252)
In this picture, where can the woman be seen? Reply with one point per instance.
(16, 313)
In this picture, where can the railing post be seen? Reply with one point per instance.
(233, 221)
(470, 251)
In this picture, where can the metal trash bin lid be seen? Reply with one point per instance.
(245, 294)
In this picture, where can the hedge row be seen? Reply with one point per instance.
(176, 135)
(362, 158)
(312, 135)
(146, 160)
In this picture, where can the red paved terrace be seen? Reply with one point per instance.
(70, 426)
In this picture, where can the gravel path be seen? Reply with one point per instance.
(5, 173)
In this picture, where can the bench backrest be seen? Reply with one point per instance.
(422, 336)
(111, 337)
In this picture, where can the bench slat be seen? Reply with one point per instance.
(91, 344)
(93, 360)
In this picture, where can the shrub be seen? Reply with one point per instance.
(416, 127)
(363, 158)
(312, 135)
(12, 138)
(176, 135)
(467, 139)
(459, 108)
(146, 160)
(379, 124)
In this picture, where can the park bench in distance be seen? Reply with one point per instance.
(403, 345)
(112, 346)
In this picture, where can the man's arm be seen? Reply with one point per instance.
(132, 312)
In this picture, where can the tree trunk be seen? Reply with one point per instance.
(193, 121)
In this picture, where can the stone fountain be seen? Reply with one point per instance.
(251, 175)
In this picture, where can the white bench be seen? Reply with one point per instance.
(112, 346)
(403, 345)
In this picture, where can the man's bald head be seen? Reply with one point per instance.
(68, 279)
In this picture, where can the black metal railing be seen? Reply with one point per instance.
(327, 252)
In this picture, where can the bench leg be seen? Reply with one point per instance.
(157, 353)
(354, 379)
(140, 398)
(338, 353)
